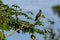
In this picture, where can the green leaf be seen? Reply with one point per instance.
(39, 31)
(38, 23)
(1, 2)
(15, 6)
(56, 9)
(2, 36)
(29, 18)
(43, 16)
(24, 14)
(8, 22)
(30, 12)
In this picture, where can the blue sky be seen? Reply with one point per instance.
(34, 6)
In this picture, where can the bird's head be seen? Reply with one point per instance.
(40, 10)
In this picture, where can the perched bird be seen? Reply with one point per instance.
(33, 37)
(38, 16)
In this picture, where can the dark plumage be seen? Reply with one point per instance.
(32, 36)
(38, 16)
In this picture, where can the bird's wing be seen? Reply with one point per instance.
(38, 16)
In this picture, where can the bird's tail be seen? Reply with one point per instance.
(35, 19)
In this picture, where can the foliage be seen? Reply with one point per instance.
(8, 22)
(2, 36)
(56, 8)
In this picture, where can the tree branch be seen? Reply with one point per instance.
(13, 32)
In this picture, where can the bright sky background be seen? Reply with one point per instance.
(34, 6)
